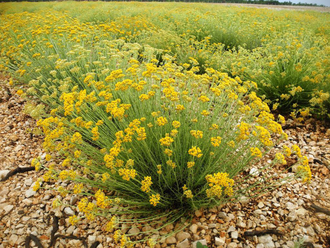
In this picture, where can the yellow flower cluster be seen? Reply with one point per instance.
(219, 182)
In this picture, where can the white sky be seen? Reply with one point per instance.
(324, 2)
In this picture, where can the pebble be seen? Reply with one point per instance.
(234, 235)
(198, 213)
(184, 244)
(13, 239)
(91, 239)
(220, 241)
(8, 208)
(3, 173)
(292, 216)
(232, 245)
(134, 230)
(69, 211)
(170, 240)
(240, 223)
(182, 235)
(29, 193)
(290, 206)
(193, 228)
(231, 229)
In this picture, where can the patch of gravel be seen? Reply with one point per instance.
(286, 210)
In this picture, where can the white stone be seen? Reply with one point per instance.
(171, 240)
(69, 211)
(220, 241)
(28, 182)
(30, 192)
(91, 239)
(232, 245)
(257, 212)
(8, 208)
(254, 172)
(261, 205)
(182, 236)
(260, 246)
(13, 239)
(3, 173)
(243, 199)
(222, 215)
(183, 244)
(292, 216)
(27, 201)
(193, 228)
(240, 223)
(290, 206)
(134, 230)
(301, 211)
(70, 230)
(234, 235)
(310, 231)
(198, 213)
(231, 229)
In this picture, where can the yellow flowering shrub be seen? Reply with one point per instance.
(128, 119)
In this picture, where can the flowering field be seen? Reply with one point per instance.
(155, 110)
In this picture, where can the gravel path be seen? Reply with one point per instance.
(276, 219)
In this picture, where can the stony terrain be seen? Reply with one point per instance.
(276, 219)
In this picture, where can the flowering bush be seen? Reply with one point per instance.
(137, 137)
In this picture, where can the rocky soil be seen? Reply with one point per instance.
(281, 218)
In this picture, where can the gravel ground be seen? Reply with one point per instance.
(286, 210)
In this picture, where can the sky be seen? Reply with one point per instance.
(324, 2)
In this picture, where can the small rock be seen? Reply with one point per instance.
(30, 192)
(222, 215)
(301, 211)
(3, 173)
(240, 223)
(220, 241)
(134, 230)
(260, 246)
(182, 235)
(69, 211)
(232, 245)
(292, 216)
(170, 240)
(243, 199)
(198, 213)
(290, 206)
(261, 205)
(183, 244)
(310, 231)
(8, 208)
(193, 228)
(18, 148)
(28, 182)
(257, 212)
(73, 200)
(254, 172)
(27, 201)
(91, 239)
(13, 239)
(231, 229)
(234, 235)
(317, 228)
(70, 230)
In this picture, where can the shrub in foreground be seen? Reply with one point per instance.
(143, 143)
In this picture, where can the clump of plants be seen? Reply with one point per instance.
(137, 140)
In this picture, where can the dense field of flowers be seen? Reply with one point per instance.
(155, 110)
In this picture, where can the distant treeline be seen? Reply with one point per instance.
(271, 2)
